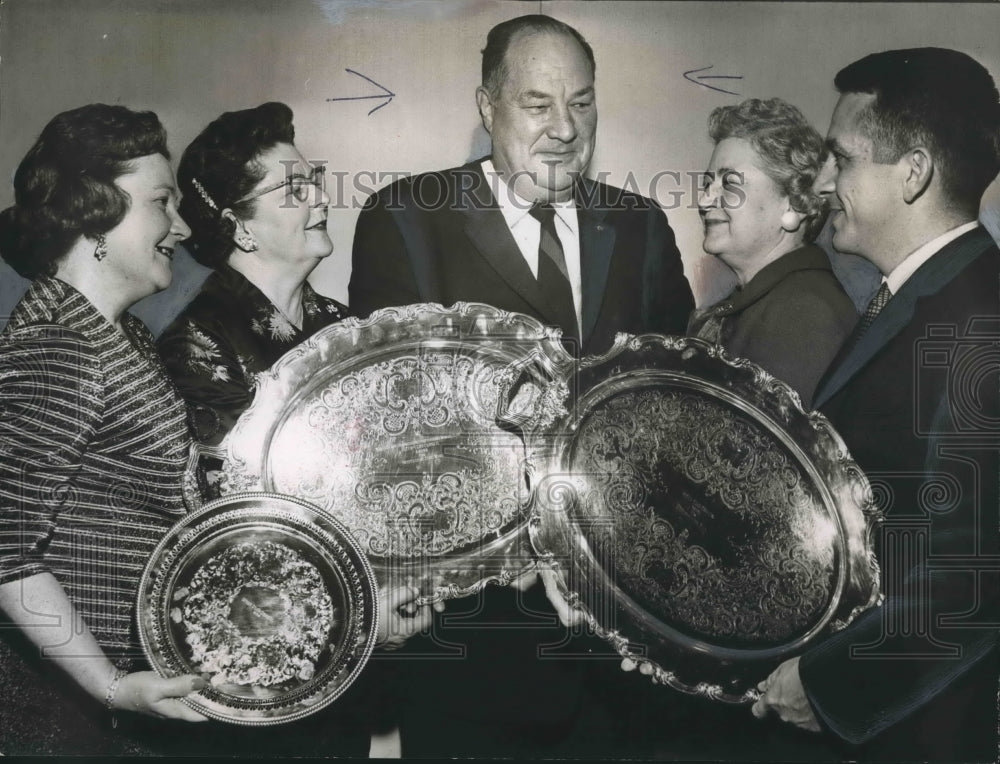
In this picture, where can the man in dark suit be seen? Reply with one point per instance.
(914, 393)
(468, 233)
(524, 231)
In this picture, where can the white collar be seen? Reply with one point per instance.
(514, 207)
(902, 272)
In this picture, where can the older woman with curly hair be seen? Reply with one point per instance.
(93, 439)
(761, 213)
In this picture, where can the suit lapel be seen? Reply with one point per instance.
(891, 321)
(930, 278)
(488, 232)
(486, 229)
(597, 243)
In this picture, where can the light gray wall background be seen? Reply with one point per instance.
(190, 60)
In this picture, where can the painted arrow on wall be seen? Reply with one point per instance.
(387, 94)
(698, 80)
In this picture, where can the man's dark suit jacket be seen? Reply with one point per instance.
(440, 237)
(916, 401)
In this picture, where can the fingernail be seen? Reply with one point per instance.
(198, 684)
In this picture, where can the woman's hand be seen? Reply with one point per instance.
(146, 692)
(39, 606)
(401, 617)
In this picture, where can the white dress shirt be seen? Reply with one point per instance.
(527, 231)
(902, 272)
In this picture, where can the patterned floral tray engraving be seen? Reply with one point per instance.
(393, 468)
(705, 525)
(391, 425)
(219, 597)
(703, 520)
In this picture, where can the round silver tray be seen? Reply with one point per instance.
(393, 425)
(704, 524)
(280, 522)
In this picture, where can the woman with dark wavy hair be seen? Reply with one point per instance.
(258, 211)
(92, 435)
(761, 212)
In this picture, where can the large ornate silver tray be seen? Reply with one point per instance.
(268, 598)
(704, 524)
(391, 425)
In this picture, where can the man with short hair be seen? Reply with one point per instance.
(523, 231)
(914, 393)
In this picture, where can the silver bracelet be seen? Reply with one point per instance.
(109, 697)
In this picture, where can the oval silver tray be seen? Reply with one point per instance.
(391, 425)
(255, 519)
(705, 525)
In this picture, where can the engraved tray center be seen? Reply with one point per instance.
(713, 527)
(406, 451)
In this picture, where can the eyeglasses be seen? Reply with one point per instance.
(298, 185)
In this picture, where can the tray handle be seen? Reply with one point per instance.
(532, 394)
(195, 487)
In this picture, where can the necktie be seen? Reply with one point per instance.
(553, 281)
(874, 308)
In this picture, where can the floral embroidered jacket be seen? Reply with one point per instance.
(226, 336)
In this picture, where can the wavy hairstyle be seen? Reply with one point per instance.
(65, 186)
(223, 161)
(791, 151)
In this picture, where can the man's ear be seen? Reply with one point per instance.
(918, 166)
(485, 108)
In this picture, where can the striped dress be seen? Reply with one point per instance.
(93, 444)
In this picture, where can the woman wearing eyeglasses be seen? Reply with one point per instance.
(257, 211)
(761, 211)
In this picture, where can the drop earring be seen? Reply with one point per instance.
(241, 236)
(101, 251)
(246, 242)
